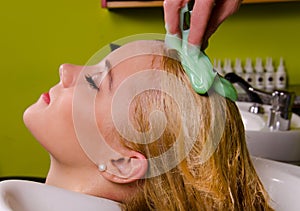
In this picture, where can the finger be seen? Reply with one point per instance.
(199, 19)
(172, 15)
(204, 45)
(220, 12)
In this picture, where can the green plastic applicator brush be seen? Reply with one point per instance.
(195, 62)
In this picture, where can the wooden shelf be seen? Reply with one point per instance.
(159, 3)
(132, 4)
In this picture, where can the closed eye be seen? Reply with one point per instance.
(91, 82)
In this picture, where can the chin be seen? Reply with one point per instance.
(33, 120)
(31, 114)
(34, 115)
(27, 116)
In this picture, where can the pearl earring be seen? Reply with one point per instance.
(102, 167)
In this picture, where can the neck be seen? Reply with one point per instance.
(78, 180)
(87, 180)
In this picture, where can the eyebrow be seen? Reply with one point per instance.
(108, 67)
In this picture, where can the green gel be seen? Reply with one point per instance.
(197, 65)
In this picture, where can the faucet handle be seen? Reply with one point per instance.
(281, 111)
(282, 100)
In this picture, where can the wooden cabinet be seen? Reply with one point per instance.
(159, 3)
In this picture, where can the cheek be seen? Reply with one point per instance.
(103, 113)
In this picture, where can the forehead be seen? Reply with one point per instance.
(135, 49)
(134, 57)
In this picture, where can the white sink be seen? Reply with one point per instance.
(275, 145)
(281, 181)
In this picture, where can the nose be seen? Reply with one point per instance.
(68, 74)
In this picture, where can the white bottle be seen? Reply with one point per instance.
(227, 68)
(238, 69)
(281, 75)
(269, 75)
(249, 75)
(259, 74)
(218, 66)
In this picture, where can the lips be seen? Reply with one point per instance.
(46, 97)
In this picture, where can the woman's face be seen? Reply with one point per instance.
(51, 118)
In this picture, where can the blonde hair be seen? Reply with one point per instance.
(225, 181)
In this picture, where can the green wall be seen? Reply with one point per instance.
(37, 36)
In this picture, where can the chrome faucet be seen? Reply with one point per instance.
(281, 111)
(281, 102)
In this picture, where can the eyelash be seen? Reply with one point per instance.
(91, 82)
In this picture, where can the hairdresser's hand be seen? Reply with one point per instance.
(206, 17)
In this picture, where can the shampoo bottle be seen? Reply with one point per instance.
(249, 75)
(269, 75)
(218, 66)
(281, 75)
(238, 69)
(259, 74)
(227, 68)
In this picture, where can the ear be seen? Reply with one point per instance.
(126, 169)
